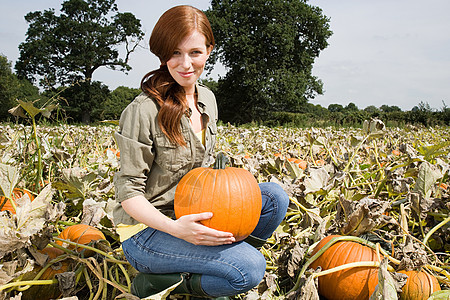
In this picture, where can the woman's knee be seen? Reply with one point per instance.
(252, 272)
(257, 270)
(275, 200)
(275, 192)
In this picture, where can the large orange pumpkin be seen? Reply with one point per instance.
(231, 194)
(348, 284)
(81, 234)
(17, 194)
(420, 285)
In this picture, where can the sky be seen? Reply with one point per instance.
(383, 52)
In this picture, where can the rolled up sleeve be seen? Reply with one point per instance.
(136, 154)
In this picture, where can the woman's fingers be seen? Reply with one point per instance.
(200, 234)
(201, 216)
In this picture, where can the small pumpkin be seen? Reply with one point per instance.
(302, 164)
(419, 285)
(17, 194)
(81, 234)
(63, 266)
(396, 152)
(47, 292)
(348, 284)
(231, 194)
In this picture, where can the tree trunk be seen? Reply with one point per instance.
(86, 113)
(86, 117)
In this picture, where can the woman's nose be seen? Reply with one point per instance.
(186, 61)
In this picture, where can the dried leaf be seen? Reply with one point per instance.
(374, 127)
(66, 283)
(419, 204)
(309, 290)
(8, 179)
(17, 111)
(268, 286)
(29, 219)
(366, 215)
(10, 270)
(294, 262)
(386, 288)
(317, 180)
(93, 212)
(411, 255)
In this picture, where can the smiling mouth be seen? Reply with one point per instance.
(186, 74)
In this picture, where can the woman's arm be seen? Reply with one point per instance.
(187, 227)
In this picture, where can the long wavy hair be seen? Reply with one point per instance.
(172, 27)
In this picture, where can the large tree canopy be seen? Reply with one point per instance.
(69, 47)
(268, 49)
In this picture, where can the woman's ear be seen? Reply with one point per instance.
(209, 50)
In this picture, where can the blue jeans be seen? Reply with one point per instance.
(227, 269)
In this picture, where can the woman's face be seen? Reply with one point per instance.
(188, 61)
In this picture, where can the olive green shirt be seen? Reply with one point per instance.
(150, 164)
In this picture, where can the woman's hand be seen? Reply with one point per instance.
(187, 227)
(191, 230)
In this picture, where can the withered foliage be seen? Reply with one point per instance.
(386, 185)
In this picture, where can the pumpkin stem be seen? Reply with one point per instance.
(221, 161)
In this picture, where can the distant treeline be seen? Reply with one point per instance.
(105, 104)
(337, 115)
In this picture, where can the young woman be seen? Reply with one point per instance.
(166, 131)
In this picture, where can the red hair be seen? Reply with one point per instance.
(172, 27)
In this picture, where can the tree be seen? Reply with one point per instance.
(351, 107)
(9, 86)
(12, 88)
(268, 49)
(387, 109)
(68, 48)
(117, 101)
(75, 104)
(372, 109)
(335, 108)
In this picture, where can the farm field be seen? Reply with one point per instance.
(387, 188)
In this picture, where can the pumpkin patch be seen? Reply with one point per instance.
(360, 188)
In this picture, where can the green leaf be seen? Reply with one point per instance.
(47, 111)
(440, 295)
(427, 177)
(29, 108)
(293, 169)
(356, 140)
(431, 151)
